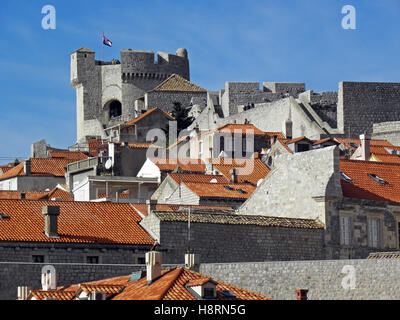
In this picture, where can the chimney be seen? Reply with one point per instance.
(365, 143)
(51, 214)
(301, 294)
(23, 293)
(192, 261)
(153, 265)
(151, 206)
(27, 167)
(234, 173)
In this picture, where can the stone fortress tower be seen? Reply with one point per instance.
(106, 91)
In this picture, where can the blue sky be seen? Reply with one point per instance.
(236, 40)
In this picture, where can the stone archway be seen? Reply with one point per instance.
(115, 109)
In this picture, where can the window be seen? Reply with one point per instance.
(38, 259)
(345, 177)
(345, 231)
(374, 233)
(141, 260)
(376, 178)
(208, 293)
(92, 260)
(301, 147)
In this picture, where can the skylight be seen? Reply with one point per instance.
(345, 177)
(229, 188)
(353, 145)
(377, 179)
(242, 191)
(3, 216)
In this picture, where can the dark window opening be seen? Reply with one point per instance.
(92, 260)
(115, 109)
(377, 179)
(208, 293)
(303, 147)
(141, 260)
(38, 259)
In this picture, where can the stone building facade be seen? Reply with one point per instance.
(220, 237)
(108, 90)
(310, 185)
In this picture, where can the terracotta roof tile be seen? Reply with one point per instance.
(177, 83)
(171, 286)
(52, 295)
(249, 170)
(197, 178)
(40, 167)
(29, 195)
(365, 187)
(108, 289)
(68, 155)
(218, 190)
(133, 121)
(384, 255)
(79, 222)
(188, 165)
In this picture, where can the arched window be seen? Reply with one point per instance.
(115, 109)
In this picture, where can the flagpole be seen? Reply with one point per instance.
(102, 46)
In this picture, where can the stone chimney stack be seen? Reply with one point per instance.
(151, 206)
(365, 146)
(234, 173)
(27, 167)
(153, 265)
(192, 261)
(51, 214)
(301, 294)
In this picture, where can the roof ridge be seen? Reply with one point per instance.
(164, 293)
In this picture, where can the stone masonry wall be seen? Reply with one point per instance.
(237, 243)
(361, 104)
(389, 131)
(374, 279)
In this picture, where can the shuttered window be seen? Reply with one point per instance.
(374, 233)
(345, 231)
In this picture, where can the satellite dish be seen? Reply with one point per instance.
(108, 164)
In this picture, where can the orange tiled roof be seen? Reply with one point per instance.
(57, 193)
(171, 286)
(388, 158)
(78, 222)
(199, 282)
(52, 294)
(251, 170)
(177, 83)
(68, 155)
(324, 140)
(218, 190)
(197, 178)
(29, 195)
(188, 165)
(108, 289)
(242, 127)
(40, 167)
(364, 187)
(373, 142)
(133, 121)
